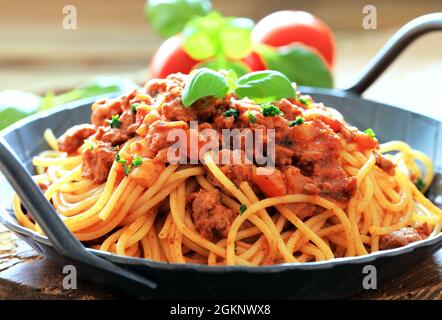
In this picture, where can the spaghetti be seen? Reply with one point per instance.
(334, 192)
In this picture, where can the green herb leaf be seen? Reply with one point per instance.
(137, 161)
(204, 83)
(251, 117)
(201, 36)
(231, 78)
(90, 144)
(370, 133)
(231, 113)
(218, 36)
(270, 110)
(304, 100)
(235, 37)
(265, 86)
(420, 184)
(119, 159)
(96, 87)
(237, 67)
(15, 105)
(298, 121)
(242, 208)
(168, 17)
(133, 107)
(126, 168)
(114, 122)
(299, 64)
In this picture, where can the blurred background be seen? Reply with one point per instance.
(113, 38)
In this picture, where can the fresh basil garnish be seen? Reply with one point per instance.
(217, 36)
(204, 83)
(261, 86)
(264, 86)
(169, 17)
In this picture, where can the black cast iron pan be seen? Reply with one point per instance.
(149, 279)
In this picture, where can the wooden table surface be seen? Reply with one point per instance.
(37, 55)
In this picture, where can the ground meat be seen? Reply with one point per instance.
(98, 162)
(157, 136)
(399, 238)
(228, 164)
(317, 150)
(423, 230)
(104, 110)
(117, 136)
(211, 218)
(73, 138)
(385, 164)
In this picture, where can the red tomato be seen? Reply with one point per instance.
(255, 62)
(170, 58)
(282, 28)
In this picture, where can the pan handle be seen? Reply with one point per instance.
(393, 48)
(91, 267)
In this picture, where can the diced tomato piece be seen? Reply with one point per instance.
(365, 142)
(147, 173)
(270, 181)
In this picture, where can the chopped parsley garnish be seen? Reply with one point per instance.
(114, 122)
(127, 168)
(90, 144)
(420, 184)
(304, 100)
(133, 107)
(137, 161)
(231, 113)
(370, 133)
(298, 121)
(270, 110)
(242, 208)
(252, 117)
(119, 159)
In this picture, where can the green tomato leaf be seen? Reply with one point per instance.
(168, 17)
(299, 64)
(265, 86)
(238, 67)
(204, 83)
(15, 105)
(235, 37)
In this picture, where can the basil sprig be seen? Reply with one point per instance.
(168, 17)
(204, 83)
(217, 36)
(261, 86)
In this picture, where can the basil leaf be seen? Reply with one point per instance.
(265, 86)
(238, 67)
(204, 83)
(168, 17)
(201, 36)
(299, 64)
(235, 37)
(215, 35)
(95, 87)
(15, 105)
